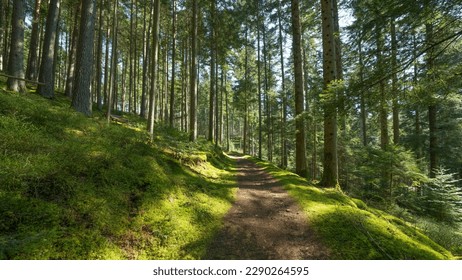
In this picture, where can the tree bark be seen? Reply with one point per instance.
(300, 148)
(172, 78)
(154, 62)
(16, 55)
(284, 160)
(72, 59)
(330, 174)
(394, 83)
(112, 87)
(81, 97)
(32, 61)
(47, 74)
(432, 107)
(99, 58)
(193, 75)
(212, 73)
(259, 97)
(383, 106)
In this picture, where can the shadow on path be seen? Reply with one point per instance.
(264, 222)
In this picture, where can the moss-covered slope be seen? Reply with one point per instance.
(73, 187)
(352, 230)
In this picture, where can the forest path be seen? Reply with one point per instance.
(264, 222)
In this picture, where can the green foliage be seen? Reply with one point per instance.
(73, 187)
(381, 176)
(441, 198)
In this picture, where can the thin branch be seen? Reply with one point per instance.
(22, 79)
(453, 37)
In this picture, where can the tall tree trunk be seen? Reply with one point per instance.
(47, 75)
(383, 107)
(81, 97)
(132, 80)
(432, 107)
(227, 114)
(3, 7)
(300, 148)
(362, 102)
(246, 82)
(269, 123)
(394, 83)
(193, 75)
(146, 58)
(172, 78)
(284, 160)
(72, 59)
(99, 58)
(106, 65)
(212, 72)
(16, 55)
(330, 174)
(112, 88)
(32, 61)
(6, 6)
(259, 97)
(154, 62)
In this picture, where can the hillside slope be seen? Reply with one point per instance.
(352, 230)
(73, 187)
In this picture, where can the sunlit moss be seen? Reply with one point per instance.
(74, 187)
(353, 230)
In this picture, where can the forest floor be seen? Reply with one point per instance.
(264, 222)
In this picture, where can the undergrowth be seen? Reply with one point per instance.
(73, 187)
(353, 230)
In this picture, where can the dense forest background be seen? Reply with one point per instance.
(360, 95)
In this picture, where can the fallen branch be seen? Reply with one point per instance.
(119, 119)
(22, 79)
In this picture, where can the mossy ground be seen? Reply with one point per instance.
(352, 230)
(73, 187)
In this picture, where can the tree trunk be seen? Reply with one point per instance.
(193, 75)
(16, 55)
(362, 102)
(3, 7)
(72, 59)
(394, 83)
(246, 82)
(146, 58)
(4, 33)
(383, 107)
(154, 62)
(172, 79)
(432, 109)
(99, 58)
(112, 87)
(32, 61)
(81, 97)
(330, 174)
(212, 72)
(284, 160)
(47, 74)
(300, 148)
(259, 98)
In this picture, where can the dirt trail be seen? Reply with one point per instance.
(264, 222)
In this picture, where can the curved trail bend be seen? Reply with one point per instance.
(264, 222)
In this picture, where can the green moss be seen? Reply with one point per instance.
(352, 230)
(74, 187)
